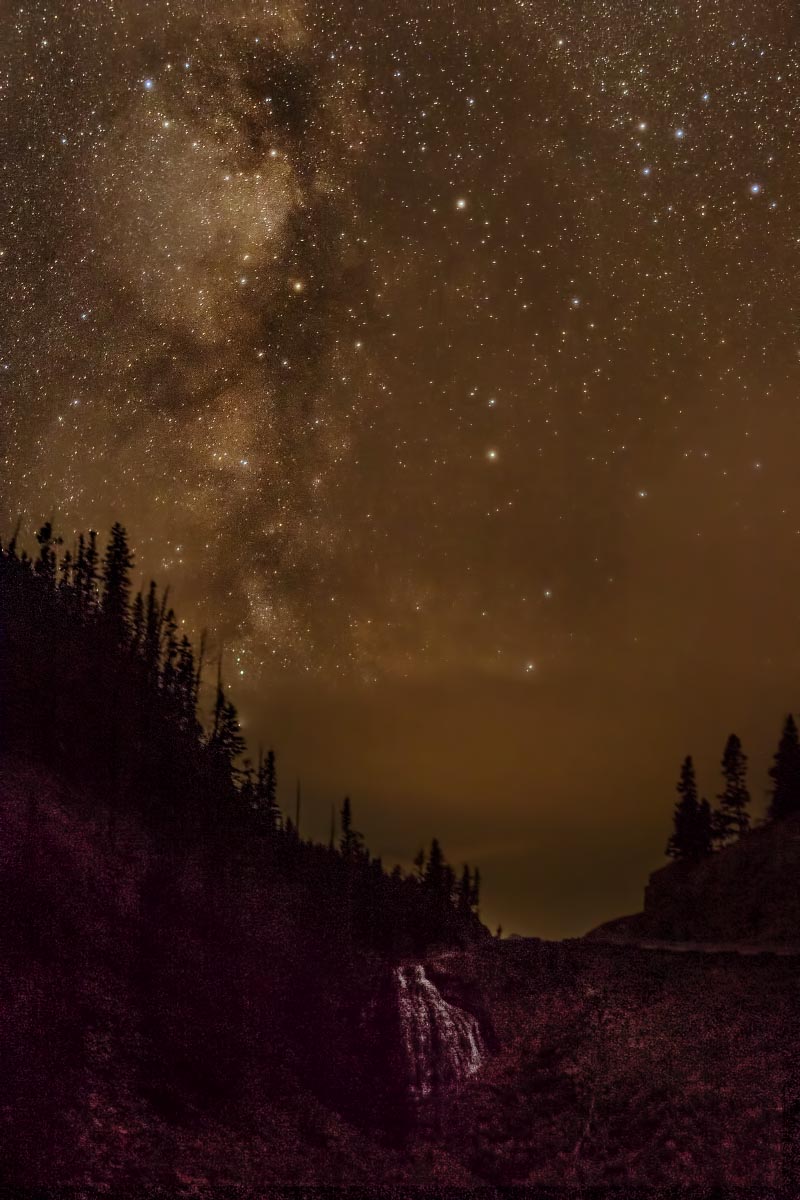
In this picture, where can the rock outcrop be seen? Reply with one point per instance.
(749, 891)
(746, 893)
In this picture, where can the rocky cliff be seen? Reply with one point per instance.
(747, 893)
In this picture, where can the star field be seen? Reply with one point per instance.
(429, 352)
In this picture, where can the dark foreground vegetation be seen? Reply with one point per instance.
(648, 1073)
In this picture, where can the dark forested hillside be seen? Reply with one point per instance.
(102, 689)
(177, 955)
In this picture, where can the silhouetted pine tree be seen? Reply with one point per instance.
(137, 624)
(785, 773)
(475, 895)
(691, 837)
(350, 842)
(65, 579)
(169, 666)
(91, 559)
(79, 574)
(45, 566)
(247, 785)
(153, 622)
(117, 563)
(733, 819)
(465, 891)
(435, 870)
(705, 829)
(268, 814)
(225, 742)
(186, 686)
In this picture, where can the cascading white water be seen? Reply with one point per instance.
(442, 1043)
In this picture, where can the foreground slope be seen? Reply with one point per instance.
(127, 1062)
(623, 1067)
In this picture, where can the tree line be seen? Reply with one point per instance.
(699, 829)
(101, 686)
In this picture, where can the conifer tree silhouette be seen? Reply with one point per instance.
(434, 872)
(225, 742)
(733, 818)
(65, 578)
(691, 837)
(346, 825)
(46, 563)
(117, 563)
(465, 891)
(91, 559)
(186, 684)
(350, 842)
(785, 773)
(475, 894)
(152, 632)
(268, 813)
(79, 574)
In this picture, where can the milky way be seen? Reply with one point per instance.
(199, 286)
(447, 346)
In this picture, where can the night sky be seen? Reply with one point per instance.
(443, 358)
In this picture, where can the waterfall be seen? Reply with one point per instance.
(442, 1043)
